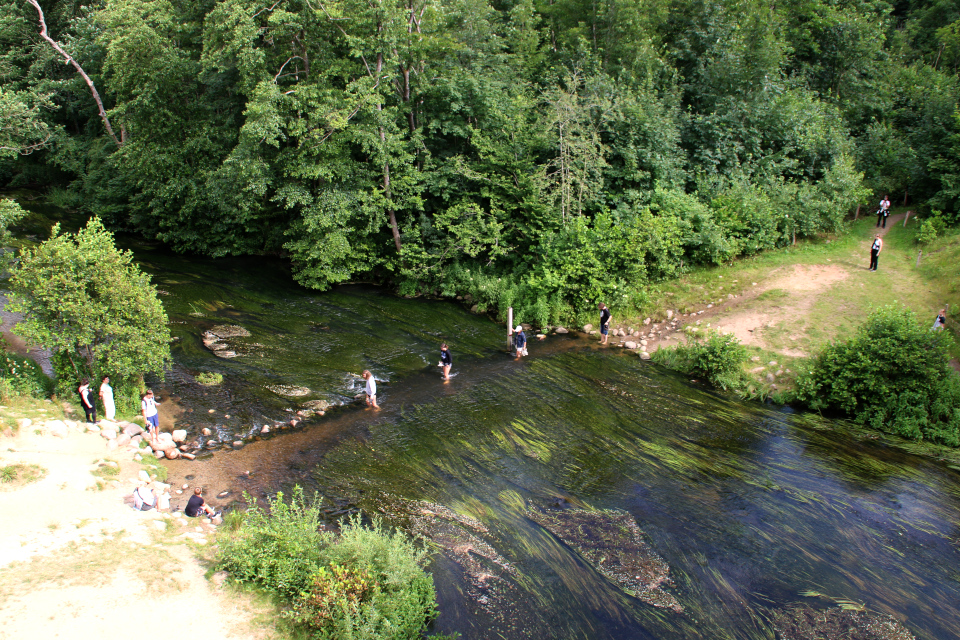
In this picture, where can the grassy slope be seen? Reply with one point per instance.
(807, 320)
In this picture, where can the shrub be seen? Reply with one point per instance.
(893, 375)
(209, 379)
(24, 377)
(717, 357)
(365, 583)
(931, 228)
(278, 549)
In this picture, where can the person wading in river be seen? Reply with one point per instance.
(446, 361)
(371, 390)
(605, 317)
(519, 341)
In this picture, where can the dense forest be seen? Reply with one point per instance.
(541, 154)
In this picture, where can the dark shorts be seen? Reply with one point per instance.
(153, 420)
(604, 329)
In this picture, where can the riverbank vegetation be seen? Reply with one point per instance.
(540, 156)
(94, 309)
(364, 582)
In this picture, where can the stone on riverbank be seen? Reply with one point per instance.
(644, 355)
(630, 345)
(587, 328)
(561, 330)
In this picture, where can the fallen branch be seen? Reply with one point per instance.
(66, 56)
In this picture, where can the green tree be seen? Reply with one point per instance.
(87, 301)
(10, 214)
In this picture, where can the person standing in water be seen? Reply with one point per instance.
(875, 251)
(371, 389)
(446, 361)
(106, 396)
(605, 317)
(519, 340)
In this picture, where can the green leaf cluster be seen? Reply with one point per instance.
(87, 301)
(893, 375)
(716, 357)
(364, 583)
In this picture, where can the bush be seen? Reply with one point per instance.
(931, 228)
(893, 375)
(22, 376)
(718, 358)
(366, 583)
(209, 379)
(375, 588)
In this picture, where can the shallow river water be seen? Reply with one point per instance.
(737, 509)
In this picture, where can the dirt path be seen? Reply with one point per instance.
(793, 309)
(79, 562)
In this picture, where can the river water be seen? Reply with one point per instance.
(748, 506)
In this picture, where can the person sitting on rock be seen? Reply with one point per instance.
(197, 506)
(144, 499)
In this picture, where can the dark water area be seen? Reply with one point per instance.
(750, 506)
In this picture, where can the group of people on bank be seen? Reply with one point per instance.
(148, 405)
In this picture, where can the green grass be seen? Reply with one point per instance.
(209, 379)
(835, 311)
(14, 476)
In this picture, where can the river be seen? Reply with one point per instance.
(539, 478)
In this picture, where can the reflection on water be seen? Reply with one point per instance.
(747, 506)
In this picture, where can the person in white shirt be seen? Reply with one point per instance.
(149, 408)
(371, 390)
(883, 212)
(106, 396)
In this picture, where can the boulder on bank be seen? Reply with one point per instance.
(644, 355)
(587, 328)
(561, 330)
(179, 435)
(630, 345)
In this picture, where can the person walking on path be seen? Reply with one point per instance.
(371, 390)
(875, 251)
(446, 361)
(883, 211)
(86, 400)
(519, 341)
(605, 317)
(106, 396)
(941, 320)
(148, 406)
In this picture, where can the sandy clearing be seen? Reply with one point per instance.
(78, 562)
(802, 284)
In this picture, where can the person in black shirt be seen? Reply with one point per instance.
(196, 506)
(446, 361)
(519, 340)
(605, 317)
(87, 400)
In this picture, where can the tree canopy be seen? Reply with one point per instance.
(535, 154)
(87, 301)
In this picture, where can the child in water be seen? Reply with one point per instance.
(446, 361)
(371, 390)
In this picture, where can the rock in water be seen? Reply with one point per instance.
(644, 355)
(179, 435)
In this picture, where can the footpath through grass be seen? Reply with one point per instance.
(783, 287)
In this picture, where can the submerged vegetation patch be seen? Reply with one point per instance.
(804, 622)
(611, 541)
